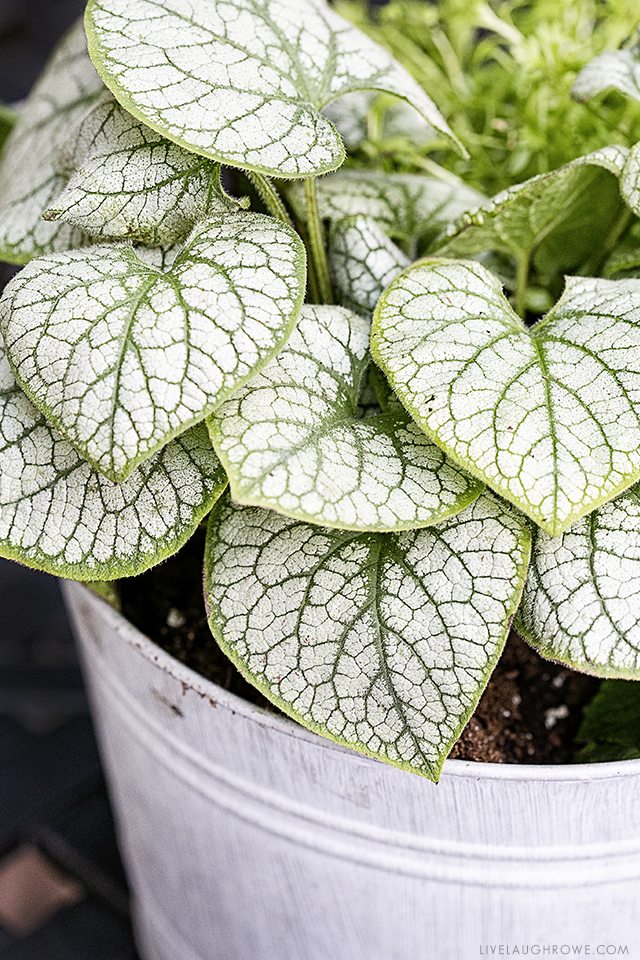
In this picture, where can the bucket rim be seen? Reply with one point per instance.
(279, 723)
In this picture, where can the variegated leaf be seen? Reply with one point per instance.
(382, 642)
(129, 182)
(243, 82)
(294, 439)
(59, 515)
(363, 262)
(349, 116)
(555, 220)
(122, 356)
(580, 604)
(407, 206)
(548, 416)
(30, 176)
(613, 70)
(630, 180)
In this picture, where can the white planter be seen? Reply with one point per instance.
(248, 838)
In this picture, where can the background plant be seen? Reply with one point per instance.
(207, 300)
(502, 73)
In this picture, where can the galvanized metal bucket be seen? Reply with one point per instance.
(248, 838)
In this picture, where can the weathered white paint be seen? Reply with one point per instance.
(248, 838)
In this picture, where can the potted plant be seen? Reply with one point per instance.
(403, 395)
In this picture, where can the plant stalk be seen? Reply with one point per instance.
(317, 250)
(270, 197)
(593, 265)
(312, 282)
(522, 279)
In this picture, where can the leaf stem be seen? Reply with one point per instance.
(522, 279)
(317, 251)
(270, 197)
(312, 283)
(596, 261)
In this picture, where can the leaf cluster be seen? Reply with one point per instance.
(264, 281)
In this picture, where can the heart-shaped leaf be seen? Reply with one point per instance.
(122, 356)
(130, 182)
(612, 70)
(548, 416)
(555, 220)
(407, 206)
(59, 515)
(294, 440)
(382, 642)
(363, 262)
(243, 82)
(29, 172)
(580, 604)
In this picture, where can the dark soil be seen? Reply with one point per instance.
(529, 713)
(167, 605)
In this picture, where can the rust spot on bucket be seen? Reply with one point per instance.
(203, 695)
(174, 710)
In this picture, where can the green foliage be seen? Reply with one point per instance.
(610, 727)
(107, 590)
(7, 120)
(501, 71)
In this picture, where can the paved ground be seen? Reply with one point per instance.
(62, 891)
